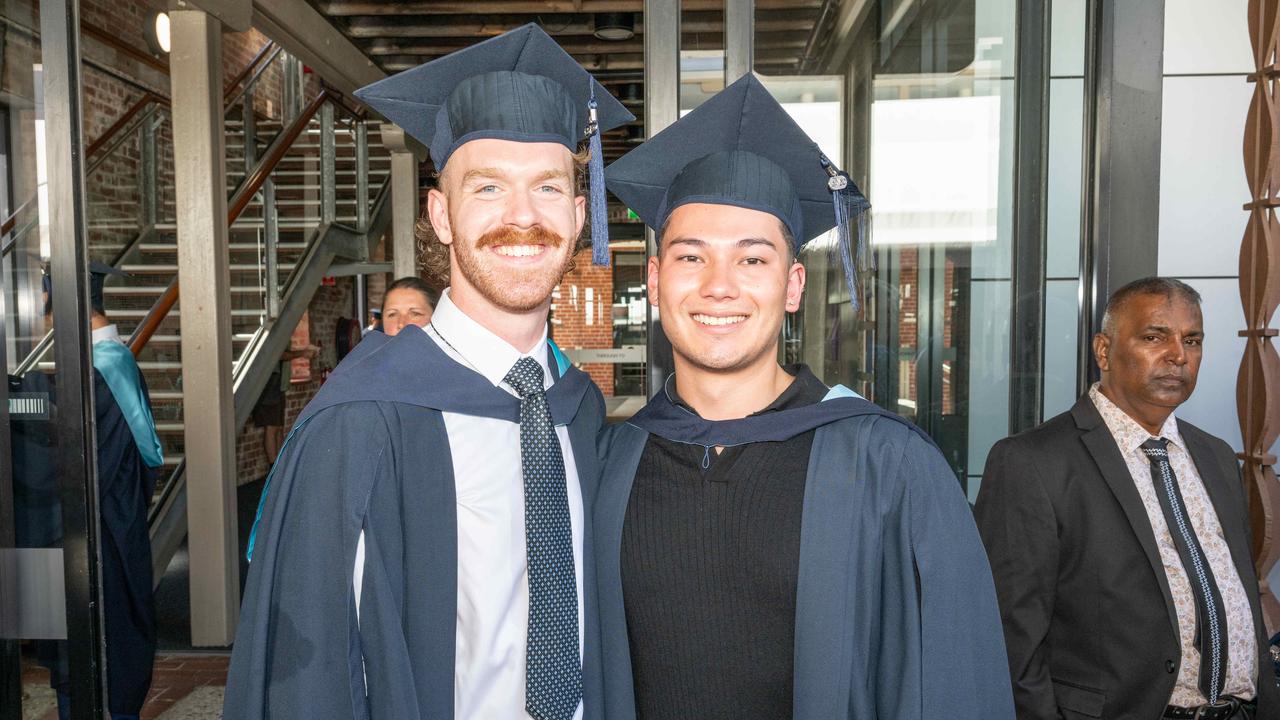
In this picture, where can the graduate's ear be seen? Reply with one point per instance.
(795, 286)
(580, 214)
(438, 211)
(652, 280)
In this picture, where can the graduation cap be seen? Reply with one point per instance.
(98, 272)
(518, 86)
(741, 148)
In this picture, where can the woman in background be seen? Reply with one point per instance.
(408, 301)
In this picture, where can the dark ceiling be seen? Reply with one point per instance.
(401, 35)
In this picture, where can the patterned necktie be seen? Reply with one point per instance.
(1211, 616)
(553, 669)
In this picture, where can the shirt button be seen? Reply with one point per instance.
(1170, 666)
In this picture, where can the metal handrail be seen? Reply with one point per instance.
(134, 109)
(253, 81)
(46, 342)
(36, 353)
(244, 72)
(123, 120)
(117, 141)
(13, 239)
(244, 194)
(112, 135)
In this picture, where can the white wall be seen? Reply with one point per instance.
(1202, 188)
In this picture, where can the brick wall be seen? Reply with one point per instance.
(329, 304)
(908, 317)
(582, 314)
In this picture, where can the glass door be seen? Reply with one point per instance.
(50, 605)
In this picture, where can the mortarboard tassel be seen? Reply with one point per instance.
(599, 208)
(849, 206)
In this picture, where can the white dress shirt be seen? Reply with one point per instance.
(493, 577)
(106, 333)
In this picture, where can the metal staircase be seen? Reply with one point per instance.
(305, 188)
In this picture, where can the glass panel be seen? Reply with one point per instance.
(1063, 207)
(1066, 145)
(1066, 47)
(32, 609)
(1061, 316)
(926, 128)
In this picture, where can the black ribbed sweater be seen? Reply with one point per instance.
(710, 559)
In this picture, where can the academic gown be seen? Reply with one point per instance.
(896, 614)
(128, 449)
(371, 453)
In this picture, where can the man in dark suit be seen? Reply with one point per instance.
(1119, 539)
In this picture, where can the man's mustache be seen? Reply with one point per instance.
(536, 235)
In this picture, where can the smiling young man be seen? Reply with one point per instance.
(1119, 539)
(768, 546)
(422, 548)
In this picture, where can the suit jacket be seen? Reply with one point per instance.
(1089, 622)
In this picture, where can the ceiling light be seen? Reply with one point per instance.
(614, 25)
(157, 33)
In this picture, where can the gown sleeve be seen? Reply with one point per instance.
(297, 650)
(943, 653)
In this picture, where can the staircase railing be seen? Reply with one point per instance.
(239, 201)
(285, 305)
(137, 116)
(114, 134)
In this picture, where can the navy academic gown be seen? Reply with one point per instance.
(371, 453)
(896, 614)
(125, 484)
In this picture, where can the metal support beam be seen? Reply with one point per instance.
(199, 158)
(147, 200)
(271, 236)
(76, 460)
(250, 134)
(739, 38)
(362, 176)
(10, 656)
(298, 28)
(328, 148)
(362, 299)
(406, 154)
(1030, 205)
(291, 88)
(661, 108)
(1124, 78)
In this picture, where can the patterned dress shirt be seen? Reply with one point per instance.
(1242, 658)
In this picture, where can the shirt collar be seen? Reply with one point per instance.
(1129, 435)
(106, 333)
(476, 346)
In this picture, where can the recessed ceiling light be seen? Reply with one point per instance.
(614, 25)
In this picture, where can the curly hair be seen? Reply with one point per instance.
(433, 255)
